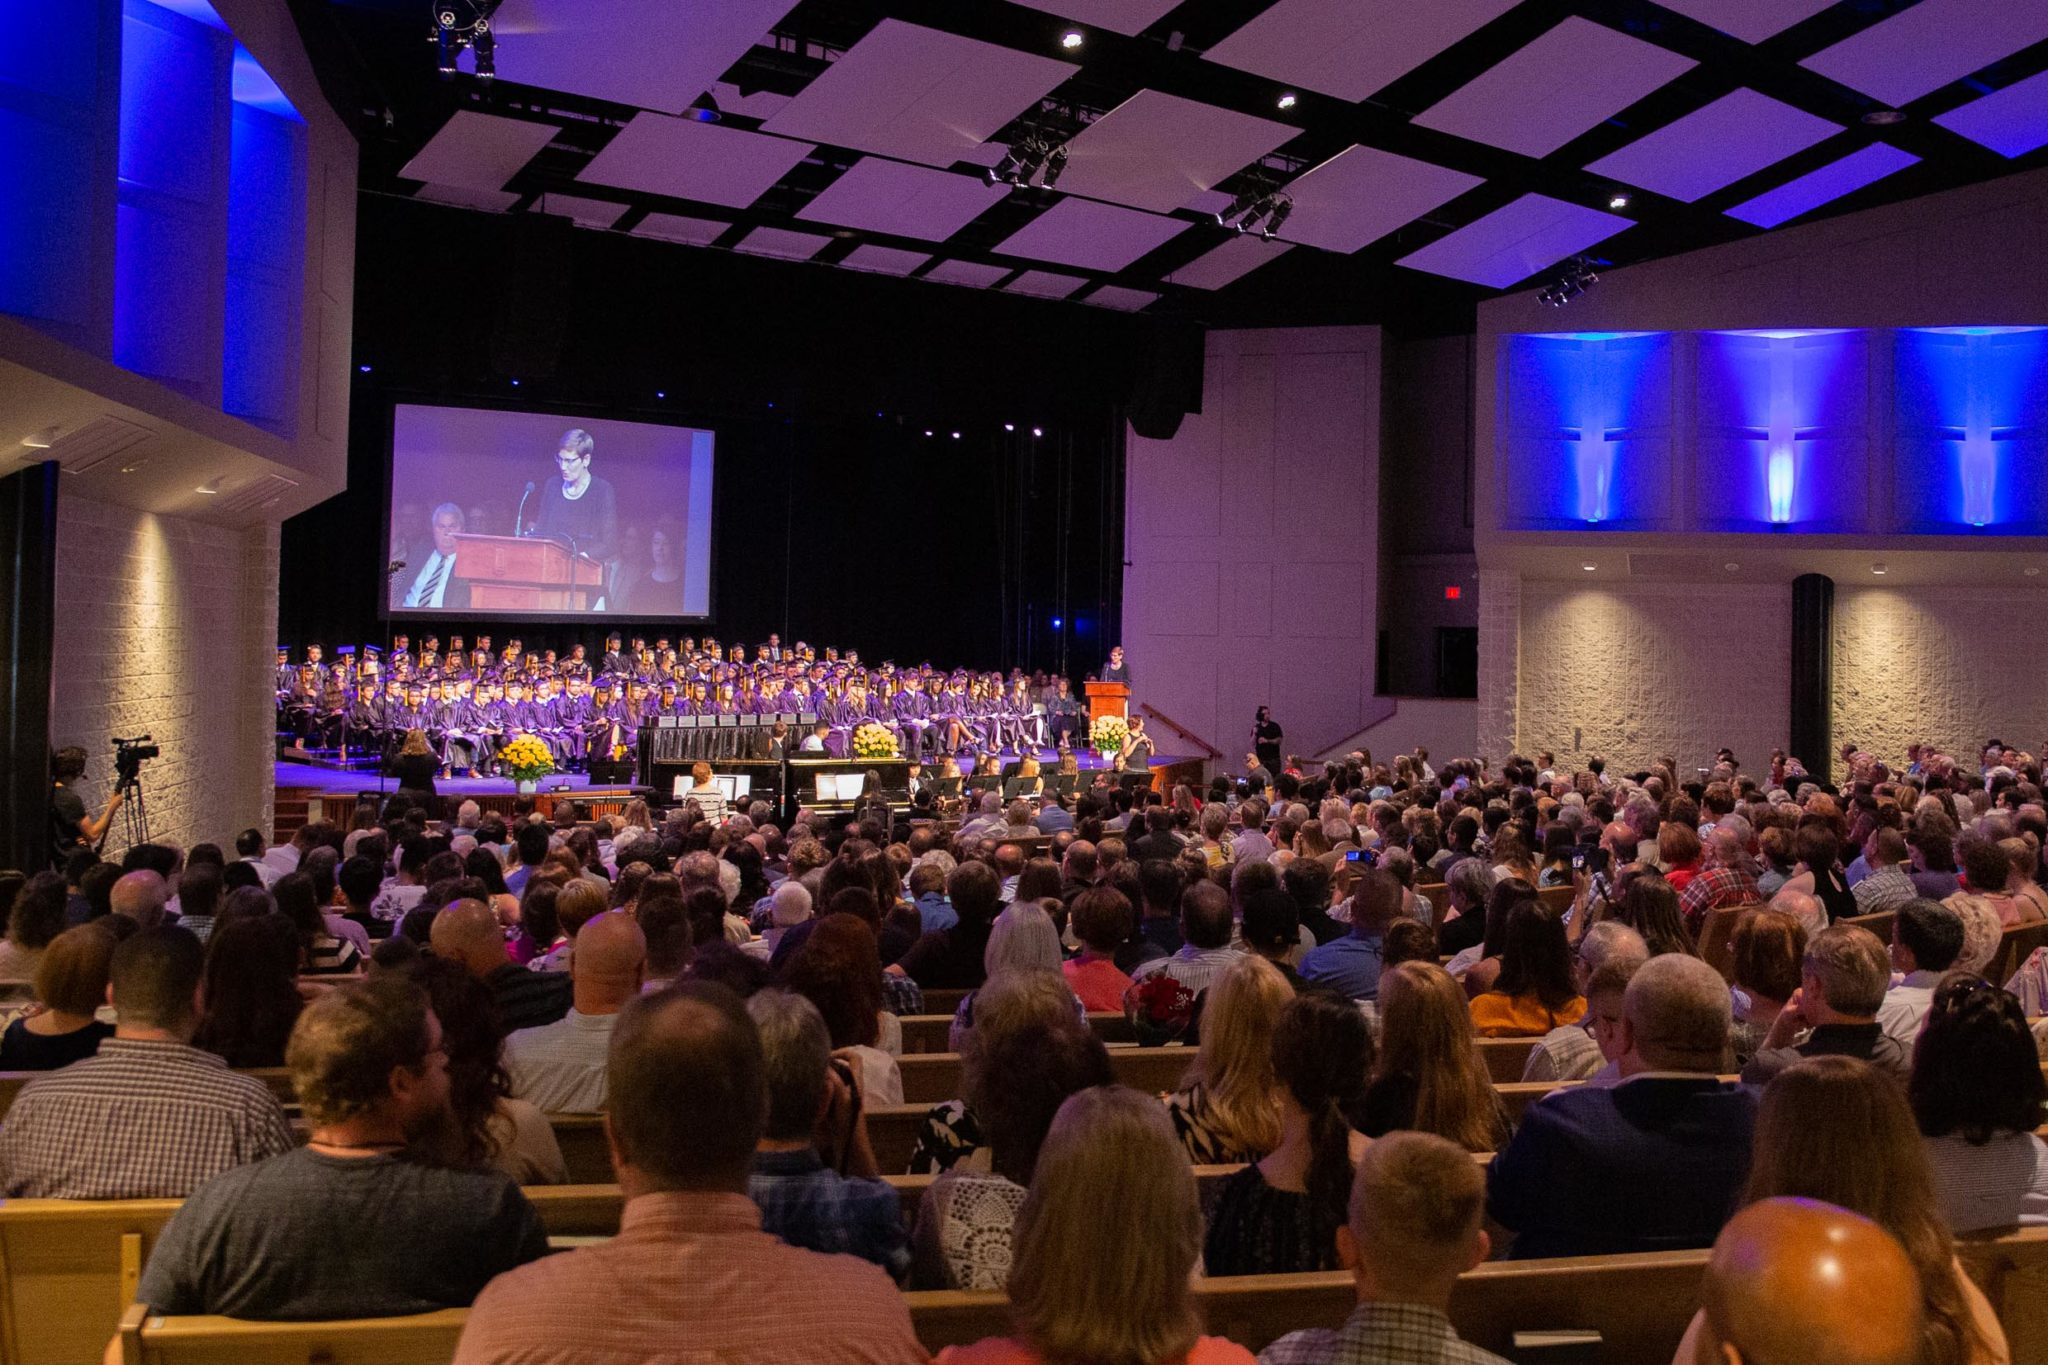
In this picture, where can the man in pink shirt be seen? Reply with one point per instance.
(691, 1274)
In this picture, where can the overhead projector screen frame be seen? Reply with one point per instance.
(391, 591)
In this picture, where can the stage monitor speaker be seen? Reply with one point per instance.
(535, 284)
(1168, 385)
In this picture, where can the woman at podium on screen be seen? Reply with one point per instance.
(578, 509)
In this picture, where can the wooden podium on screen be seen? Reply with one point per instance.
(509, 573)
(1104, 698)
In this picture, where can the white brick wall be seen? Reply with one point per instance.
(1633, 670)
(165, 626)
(1950, 665)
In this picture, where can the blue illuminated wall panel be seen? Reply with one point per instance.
(1782, 439)
(266, 251)
(1971, 430)
(1589, 425)
(55, 136)
(170, 263)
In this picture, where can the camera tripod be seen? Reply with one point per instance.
(134, 811)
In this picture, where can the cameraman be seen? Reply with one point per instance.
(70, 829)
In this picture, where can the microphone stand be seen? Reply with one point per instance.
(519, 517)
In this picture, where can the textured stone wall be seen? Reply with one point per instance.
(1500, 680)
(1948, 665)
(1633, 670)
(165, 627)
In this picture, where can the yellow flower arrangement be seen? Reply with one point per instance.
(873, 741)
(528, 759)
(1107, 735)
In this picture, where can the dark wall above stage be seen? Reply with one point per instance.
(837, 518)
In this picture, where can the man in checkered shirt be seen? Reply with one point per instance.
(150, 1117)
(1414, 1228)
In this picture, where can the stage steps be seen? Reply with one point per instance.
(290, 810)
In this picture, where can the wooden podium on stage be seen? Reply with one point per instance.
(511, 573)
(1104, 698)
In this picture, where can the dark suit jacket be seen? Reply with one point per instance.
(1653, 1164)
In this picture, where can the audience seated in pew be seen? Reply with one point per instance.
(71, 983)
(1605, 960)
(1977, 1094)
(1841, 989)
(560, 1067)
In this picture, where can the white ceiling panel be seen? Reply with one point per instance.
(2011, 122)
(1091, 235)
(1118, 16)
(1350, 48)
(918, 94)
(1750, 20)
(1555, 88)
(1116, 296)
(674, 227)
(971, 273)
(490, 201)
(1045, 284)
(1935, 42)
(883, 260)
(1361, 194)
(1510, 244)
(658, 55)
(478, 151)
(790, 246)
(903, 200)
(1156, 151)
(1824, 186)
(588, 213)
(760, 104)
(1237, 257)
(1737, 135)
(680, 157)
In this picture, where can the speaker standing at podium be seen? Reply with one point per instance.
(436, 585)
(578, 509)
(1116, 670)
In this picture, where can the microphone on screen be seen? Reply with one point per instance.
(396, 565)
(519, 517)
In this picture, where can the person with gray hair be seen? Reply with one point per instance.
(469, 815)
(814, 1107)
(1022, 941)
(1842, 984)
(1651, 1164)
(788, 906)
(1607, 958)
(436, 585)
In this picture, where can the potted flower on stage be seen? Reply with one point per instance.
(1107, 735)
(873, 741)
(528, 760)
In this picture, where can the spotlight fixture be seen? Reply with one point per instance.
(1262, 201)
(362, 369)
(1038, 431)
(956, 435)
(927, 431)
(1032, 157)
(211, 487)
(1009, 426)
(1883, 118)
(1880, 570)
(1072, 39)
(1578, 275)
(703, 109)
(460, 24)
(661, 393)
(1286, 100)
(1589, 566)
(1617, 201)
(41, 440)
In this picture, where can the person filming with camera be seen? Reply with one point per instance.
(70, 828)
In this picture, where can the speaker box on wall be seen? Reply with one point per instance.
(1168, 385)
(536, 282)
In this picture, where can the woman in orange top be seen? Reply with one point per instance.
(1104, 1244)
(1535, 991)
(1102, 920)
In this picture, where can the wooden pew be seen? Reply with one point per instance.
(1506, 1058)
(2015, 946)
(1879, 923)
(1557, 899)
(942, 1001)
(924, 1033)
(933, 1077)
(1717, 937)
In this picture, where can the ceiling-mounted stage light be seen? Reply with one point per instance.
(1276, 216)
(1244, 200)
(460, 24)
(1033, 156)
(1072, 39)
(704, 109)
(1054, 164)
(1578, 275)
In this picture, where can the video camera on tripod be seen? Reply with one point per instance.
(129, 756)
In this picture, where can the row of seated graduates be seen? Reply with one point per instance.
(367, 702)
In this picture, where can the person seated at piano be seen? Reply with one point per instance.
(705, 793)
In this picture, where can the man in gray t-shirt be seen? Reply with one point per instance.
(348, 1226)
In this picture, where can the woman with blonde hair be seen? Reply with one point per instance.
(1429, 1077)
(1228, 1108)
(1838, 1130)
(1102, 1246)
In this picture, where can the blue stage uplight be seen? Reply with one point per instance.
(1970, 400)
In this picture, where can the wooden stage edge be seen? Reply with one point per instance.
(339, 807)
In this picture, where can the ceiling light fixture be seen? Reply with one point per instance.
(42, 440)
(1072, 39)
(704, 109)
(1879, 569)
(1578, 275)
(1731, 566)
(1617, 201)
(211, 487)
(1038, 431)
(460, 24)
(1286, 100)
(1589, 566)
(1883, 118)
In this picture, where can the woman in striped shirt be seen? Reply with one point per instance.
(708, 797)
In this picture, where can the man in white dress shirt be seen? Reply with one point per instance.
(436, 586)
(1927, 938)
(561, 1066)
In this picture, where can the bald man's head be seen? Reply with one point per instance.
(140, 896)
(1799, 1282)
(467, 932)
(608, 962)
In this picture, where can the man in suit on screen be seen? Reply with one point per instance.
(436, 587)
